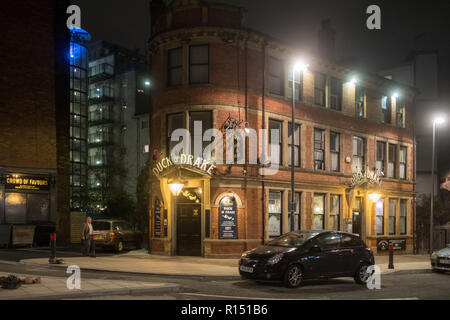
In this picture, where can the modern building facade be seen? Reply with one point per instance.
(34, 121)
(118, 136)
(207, 68)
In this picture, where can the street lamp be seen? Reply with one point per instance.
(374, 197)
(437, 120)
(176, 186)
(301, 66)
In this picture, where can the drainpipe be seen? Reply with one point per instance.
(263, 101)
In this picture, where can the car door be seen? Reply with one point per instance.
(351, 247)
(328, 261)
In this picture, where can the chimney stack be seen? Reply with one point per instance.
(326, 41)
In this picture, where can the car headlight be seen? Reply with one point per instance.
(245, 254)
(275, 259)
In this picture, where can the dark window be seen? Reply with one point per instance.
(392, 215)
(381, 155)
(275, 213)
(380, 217)
(276, 158)
(174, 121)
(402, 217)
(392, 157)
(329, 241)
(335, 94)
(400, 107)
(349, 241)
(320, 89)
(199, 64)
(296, 144)
(319, 212)
(319, 149)
(297, 216)
(335, 151)
(358, 154)
(386, 109)
(276, 76)
(205, 118)
(359, 101)
(335, 210)
(298, 84)
(175, 67)
(403, 159)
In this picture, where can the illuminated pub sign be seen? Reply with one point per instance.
(22, 182)
(185, 159)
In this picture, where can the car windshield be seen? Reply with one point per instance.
(101, 225)
(293, 239)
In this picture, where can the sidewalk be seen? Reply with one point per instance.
(54, 288)
(225, 269)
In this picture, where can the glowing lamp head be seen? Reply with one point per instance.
(439, 120)
(176, 187)
(147, 83)
(374, 197)
(354, 80)
(301, 66)
(395, 95)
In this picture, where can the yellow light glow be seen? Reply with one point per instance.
(176, 187)
(374, 197)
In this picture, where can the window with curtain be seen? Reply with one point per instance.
(174, 121)
(381, 155)
(199, 64)
(400, 108)
(335, 94)
(296, 144)
(380, 217)
(392, 157)
(298, 84)
(297, 221)
(276, 76)
(175, 67)
(275, 213)
(205, 118)
(334, 151)
(358, 154)
(319, 149)
(319, 212)
(335, 209)
(276, 158)
(360, 94)
(386, 109)
(403, 162)
(402, 217)
(320, 81)
(392, 215)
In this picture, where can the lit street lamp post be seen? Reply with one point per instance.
(438, 120)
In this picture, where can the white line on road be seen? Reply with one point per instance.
(234, 297)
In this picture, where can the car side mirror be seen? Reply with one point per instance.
(315, 248)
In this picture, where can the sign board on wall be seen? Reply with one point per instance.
(399, 244)
(22, 182)
(228, 218)
(157, 219)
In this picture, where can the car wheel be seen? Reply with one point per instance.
(361, 274)
(293, 277)
(119, 246)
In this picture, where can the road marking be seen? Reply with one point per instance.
(235, 297)
(415, 298)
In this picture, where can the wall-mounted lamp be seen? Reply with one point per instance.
(374, 197)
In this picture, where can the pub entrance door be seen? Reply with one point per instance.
(189, 222)
(357, 213)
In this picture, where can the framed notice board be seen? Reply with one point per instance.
(228, 219)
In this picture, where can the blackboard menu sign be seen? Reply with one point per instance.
(157, 219)
(228, 218)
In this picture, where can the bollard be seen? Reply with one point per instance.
(52, 259)
(391, 256)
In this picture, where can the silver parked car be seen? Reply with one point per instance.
(440, 260)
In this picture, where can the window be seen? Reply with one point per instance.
(392, 215)
(358, 154)
(298, 85)
(205, 118)
(400, 107)
(199, 64)
(319, 149)
(402, 218)
(275, 158)
(145, 124)
(381, 157)
(329, 241)
(380, 217)
(335, 94)
(319, 212)
(319, 89)
(174, 122)
(386, 108)
(175, 67)
(296, 144)
(334, 151)
(297, 220)
(391, 161)
(402, 162)
(349, 241)
(359, 101)
(335, 209)
(275, 212)
(276, 76)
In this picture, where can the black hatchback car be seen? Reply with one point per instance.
(301, 255)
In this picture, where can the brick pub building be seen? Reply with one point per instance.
(207, 67)
(34, 120)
